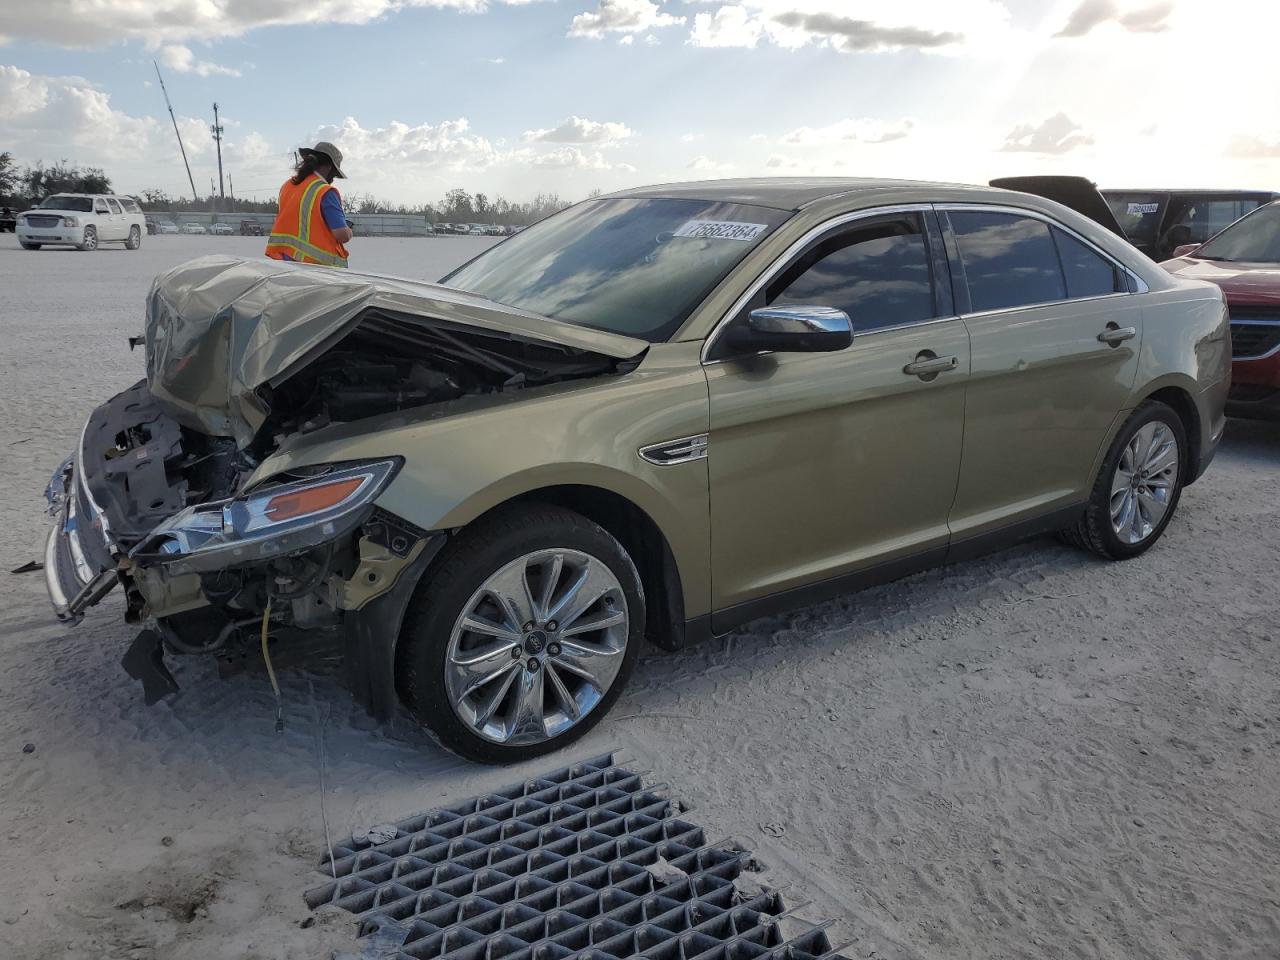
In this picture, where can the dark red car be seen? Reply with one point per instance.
(1244, 260)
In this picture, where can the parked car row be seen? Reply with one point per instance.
(657, 414)
(474, 229)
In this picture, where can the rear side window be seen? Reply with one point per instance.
(878, 274)
(115, 207)
(1088, 273)
(1139, 214)
(1009, 261)
(131, 205)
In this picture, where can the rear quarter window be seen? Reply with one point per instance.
(1087, 272)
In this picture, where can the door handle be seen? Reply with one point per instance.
(928, 365)
(1116, 335)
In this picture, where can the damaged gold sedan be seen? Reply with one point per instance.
(657, 414)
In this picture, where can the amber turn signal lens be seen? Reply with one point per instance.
(287, 506)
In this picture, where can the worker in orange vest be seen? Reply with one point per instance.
(311, 227)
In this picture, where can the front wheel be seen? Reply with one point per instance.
(1138, 487)
(90, 241)
(524, 635)
(135, 239)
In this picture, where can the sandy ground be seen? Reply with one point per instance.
(1034, 755)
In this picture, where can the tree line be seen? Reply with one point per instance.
(26, 187)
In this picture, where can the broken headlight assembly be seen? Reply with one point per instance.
(280, 516)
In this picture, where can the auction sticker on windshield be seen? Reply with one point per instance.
(721, 230)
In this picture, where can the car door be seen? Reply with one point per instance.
(1055, 338)
(830, 464)
(102, 220)
(119, 220)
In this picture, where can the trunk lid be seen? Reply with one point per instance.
(220, 328)
(1078, 193)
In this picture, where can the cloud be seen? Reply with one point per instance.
(448, 145)
(851, 26)
(99, 23)
(727, 27)
(704, 164)
(1059, 134)
(621, 16)
(850, 35)
(177, 57)
(1251, 146)
(1093, 13)
(68, 116)
(851, 130)
(572, 157)
(579, 130)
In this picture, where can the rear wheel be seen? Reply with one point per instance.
(29, 246)
(1138, 487)
(135, 239)
(90, 241)
(524, 635)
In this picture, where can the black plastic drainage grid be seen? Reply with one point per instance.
(555, 868)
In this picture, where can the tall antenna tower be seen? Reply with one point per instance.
(217, 138)
(192, 180)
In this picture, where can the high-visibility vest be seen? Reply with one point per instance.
(300, 232)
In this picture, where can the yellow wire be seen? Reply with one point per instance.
(266, 658)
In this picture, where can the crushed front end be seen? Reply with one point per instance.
(207, 561)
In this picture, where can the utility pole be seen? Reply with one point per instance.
(217, 138)
(231, 189)
(191, 179)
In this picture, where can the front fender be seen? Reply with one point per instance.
(461, 460)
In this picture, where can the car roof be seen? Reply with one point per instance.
(782, 193)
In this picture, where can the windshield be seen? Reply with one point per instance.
(1254, 239)
(636, 267)
(1138, 213)
(60, 201)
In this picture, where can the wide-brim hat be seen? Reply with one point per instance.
(329, 152)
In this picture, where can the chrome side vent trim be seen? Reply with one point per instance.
(670, 452)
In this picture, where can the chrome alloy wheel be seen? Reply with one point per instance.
(1145, 479)
(537, 646)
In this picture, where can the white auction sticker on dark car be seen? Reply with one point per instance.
(720, 230)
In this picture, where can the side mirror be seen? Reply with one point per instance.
(1186, 250)
(799, 329)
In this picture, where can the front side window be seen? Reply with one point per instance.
(632, 266)
(1201, 219)
(1255, 239)
(1009, 260)
(877, 273)
(115, 207)
(99, 207)
(1088, 273)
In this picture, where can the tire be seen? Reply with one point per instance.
(1096, 530)
(135, 239)
(90, 241)
(511, 543)
(29, 246)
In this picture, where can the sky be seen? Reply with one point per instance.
(520, 97)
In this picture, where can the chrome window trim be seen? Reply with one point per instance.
(785, 258)
(1052, 221)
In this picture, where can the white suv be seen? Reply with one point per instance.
(82, 220)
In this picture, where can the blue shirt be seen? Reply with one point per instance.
(331, 210)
